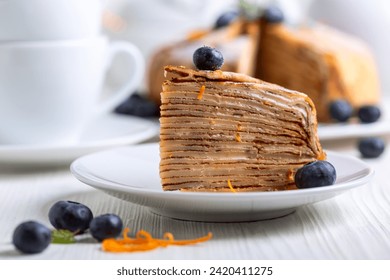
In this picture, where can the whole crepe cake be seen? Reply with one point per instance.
(225, 131)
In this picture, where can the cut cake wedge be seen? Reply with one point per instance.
(224, 131)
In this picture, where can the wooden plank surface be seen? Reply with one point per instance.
(354, 225)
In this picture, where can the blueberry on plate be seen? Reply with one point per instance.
(371, 147)
(70, 215)
(106, 226)
(340, 110)
(31, 237)
(207, 58)
(369, 113)
(139, 106)
(315, 174)
(225, 19)
(273, 14)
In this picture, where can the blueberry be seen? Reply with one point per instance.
(70, 215)
(225, 19)
(137, 105)
(340, 110)
(371, 147)
(31, 237)
(106, 226)
(369, 114)
(207, 58)
(315, 174)
(273, 14)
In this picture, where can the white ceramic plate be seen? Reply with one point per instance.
(353, 129)
(131, 174)
(106, 131)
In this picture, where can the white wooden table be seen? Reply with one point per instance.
(354, 225)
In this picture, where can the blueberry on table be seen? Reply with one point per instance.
(315, 174)
(340, 110)
(273, 14)
(369, 113)
(207, 58)
(106, 226)
(371, 147)
(31, 237)
(139, 106)
(225, 19)
(70, 215)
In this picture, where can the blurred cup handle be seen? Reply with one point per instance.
(134, 80)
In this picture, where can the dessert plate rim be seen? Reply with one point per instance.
(201, 206)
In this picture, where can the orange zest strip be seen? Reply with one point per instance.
(230, 186)
(238, 137)
(201, 91)
(290, 175)
(188, 241)
(144, 241)
(197, 34)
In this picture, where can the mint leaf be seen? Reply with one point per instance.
(62, 236)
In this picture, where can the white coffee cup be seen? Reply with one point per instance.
(49, 90)
(33, 20)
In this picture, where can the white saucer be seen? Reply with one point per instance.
(131, 174)
(353, 128)
(106, 131)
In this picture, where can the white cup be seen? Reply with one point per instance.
(49, 90)
(33, 20)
